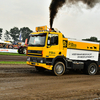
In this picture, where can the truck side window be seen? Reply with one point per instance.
(52, 39)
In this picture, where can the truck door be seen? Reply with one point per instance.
(52, 46)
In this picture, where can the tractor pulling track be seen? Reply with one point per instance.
(23, 82)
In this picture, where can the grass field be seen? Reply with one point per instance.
(15, 54)
(12, 62)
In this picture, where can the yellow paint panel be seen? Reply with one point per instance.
(35, 48)
(83, 45)
(49, 67)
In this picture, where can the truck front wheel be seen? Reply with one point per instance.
(59, 68)
(92, 68)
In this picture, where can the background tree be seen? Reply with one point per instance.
(1, 32)
(7, 36)
(14, 33)
(25, 31)
(94, 39)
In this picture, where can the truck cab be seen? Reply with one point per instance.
(43, 48)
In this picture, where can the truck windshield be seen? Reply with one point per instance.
(37, 39)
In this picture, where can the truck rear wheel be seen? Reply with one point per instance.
(59, 68)
(92, 68)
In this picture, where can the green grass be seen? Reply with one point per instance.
(14, 54)
(12, 62)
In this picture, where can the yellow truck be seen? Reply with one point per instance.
(49, 49)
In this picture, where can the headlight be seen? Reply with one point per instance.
(41, 61)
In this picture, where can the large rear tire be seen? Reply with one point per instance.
(59, 68)
(20, 50)
(92, 68)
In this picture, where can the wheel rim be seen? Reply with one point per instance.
(92, 69)
(59, 69)
(24, 51)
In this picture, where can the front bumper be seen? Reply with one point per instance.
(40, 62)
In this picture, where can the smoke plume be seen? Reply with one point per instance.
(56, 4)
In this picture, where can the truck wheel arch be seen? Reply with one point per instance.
(61, 59)
(89, 61)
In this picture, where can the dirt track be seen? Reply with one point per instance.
(23, 82)
(12, 58)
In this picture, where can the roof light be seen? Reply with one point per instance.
(41, 28)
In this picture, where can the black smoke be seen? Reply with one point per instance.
(56, 4)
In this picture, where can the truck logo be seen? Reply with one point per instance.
(71, 44)
(51, 53)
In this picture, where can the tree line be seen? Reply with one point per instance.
(93, 39)
(15, 32)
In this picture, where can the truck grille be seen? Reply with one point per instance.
(35, 53)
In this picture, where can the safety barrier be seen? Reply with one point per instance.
(9, 50)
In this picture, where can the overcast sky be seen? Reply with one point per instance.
(74, 22)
